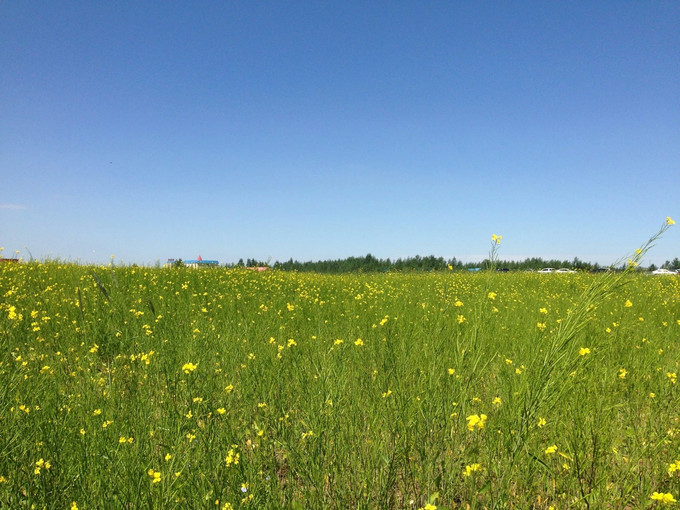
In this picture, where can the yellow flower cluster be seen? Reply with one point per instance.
(476, 421)
(41, 464)
(551, 449)
(155, 476)
(472, 468)
(665, 498)
(187, 368)
(673, 467)
(232, 457)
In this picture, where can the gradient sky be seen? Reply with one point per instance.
(318, 130)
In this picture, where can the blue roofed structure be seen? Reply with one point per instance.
(199, 262)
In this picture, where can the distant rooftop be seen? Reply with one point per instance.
(195, 263)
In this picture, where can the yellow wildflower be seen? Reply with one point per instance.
(673, 467)
(231, 458)
(155, 476)
(189, 367)
(476, 421)
(664, 498)
(472, 468)
(41, 464)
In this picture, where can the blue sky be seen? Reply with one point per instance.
(318, 130)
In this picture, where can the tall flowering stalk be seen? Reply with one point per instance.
(552, 365)
(468, 349)
(493, 253)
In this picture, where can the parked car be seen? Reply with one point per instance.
(546, 270)
(665, 272)
(565, 270)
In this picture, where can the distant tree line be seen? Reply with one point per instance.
(671, 264)
(370, 263)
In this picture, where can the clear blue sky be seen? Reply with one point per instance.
(318, 130)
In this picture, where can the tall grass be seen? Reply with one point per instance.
(178, 388)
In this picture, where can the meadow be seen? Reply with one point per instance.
(129, 387)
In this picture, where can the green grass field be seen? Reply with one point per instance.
(131, 388)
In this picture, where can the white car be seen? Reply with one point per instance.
(565, 270)
(546, 270)
(665, 272)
